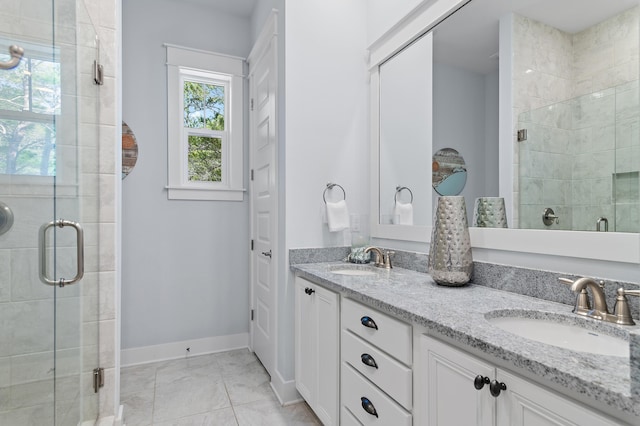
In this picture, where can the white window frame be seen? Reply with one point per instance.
(185, 64)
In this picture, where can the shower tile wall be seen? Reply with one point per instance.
(580, 150)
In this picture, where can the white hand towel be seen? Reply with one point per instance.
(337, 215)
(403, 213)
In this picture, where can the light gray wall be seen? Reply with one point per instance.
(185, 264)
(327, 137)
(462, 109)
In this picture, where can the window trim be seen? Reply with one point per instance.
(208, 66)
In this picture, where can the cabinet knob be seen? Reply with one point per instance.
(309, 291)
(368, 406)
(368, 360)
(496, 387)
(480, 381)
(368, 322)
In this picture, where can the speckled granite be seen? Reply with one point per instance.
(529, 282)
(315, 255)
(459, 314)
(634, 344)
(544, 284)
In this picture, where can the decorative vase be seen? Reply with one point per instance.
(450, 259)
(489, 212)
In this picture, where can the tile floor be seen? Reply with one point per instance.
(229, 388)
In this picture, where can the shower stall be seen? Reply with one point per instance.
(581, 157)
(49, 213)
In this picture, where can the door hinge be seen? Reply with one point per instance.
(98, 71)
(522, 135)
(251, 245)
(98, 379)
(252, 315)
(251, 104)
(251, 174)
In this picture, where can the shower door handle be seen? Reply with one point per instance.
(61, 223)
(16, 53)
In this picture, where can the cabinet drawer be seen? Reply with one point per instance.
(355, 388)
(347, 418)
(389, 334)
(390, 375)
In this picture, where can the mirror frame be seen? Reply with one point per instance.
(611, 246)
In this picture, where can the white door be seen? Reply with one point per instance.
(264, 220)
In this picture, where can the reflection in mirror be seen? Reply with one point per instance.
(405, 136)
(465, 98)
(578, 101)
(449, 172)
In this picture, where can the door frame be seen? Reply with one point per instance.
(265, 44)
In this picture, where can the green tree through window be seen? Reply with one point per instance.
(204, 106)
(30, 97)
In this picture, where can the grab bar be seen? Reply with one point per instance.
(43, 252)
(16, 53)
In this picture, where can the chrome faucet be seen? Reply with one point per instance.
(621, 313)
(382, 258)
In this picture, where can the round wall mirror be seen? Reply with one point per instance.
(129, 150)
(449, 172)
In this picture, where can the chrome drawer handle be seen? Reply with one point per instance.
(368, 322)
(368, 360)
(368, 406)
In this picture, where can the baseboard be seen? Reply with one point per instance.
(175, 350)
(285, 390)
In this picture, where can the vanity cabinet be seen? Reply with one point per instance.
(448, 394)
(317, 345)
(376, 374)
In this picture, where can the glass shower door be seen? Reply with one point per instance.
(48, 215)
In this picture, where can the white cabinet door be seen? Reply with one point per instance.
(447, 387)
(305, 353)
(328, 353)
(317, 349)
(526, 404)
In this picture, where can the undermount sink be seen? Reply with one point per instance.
(557, 330)
(354, 270)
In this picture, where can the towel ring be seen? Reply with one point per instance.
(330, 186)
(399, 189)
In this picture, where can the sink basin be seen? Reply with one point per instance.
(563, 332)
(354, 270)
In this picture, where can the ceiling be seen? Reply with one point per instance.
(241, 8)
(469, 38)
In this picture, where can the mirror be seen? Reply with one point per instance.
(569, 79)
(405, 136)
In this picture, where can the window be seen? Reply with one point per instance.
(30, 99)
(205, 125)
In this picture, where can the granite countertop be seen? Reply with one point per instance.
(461, 314)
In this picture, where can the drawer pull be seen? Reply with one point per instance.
(368, 360)
(368, 322)
(309, 291)
(480, 381)
(496, 387)
(368, 406)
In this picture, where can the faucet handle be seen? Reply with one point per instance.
(582, 300)
(621, 309)
(387, 258)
